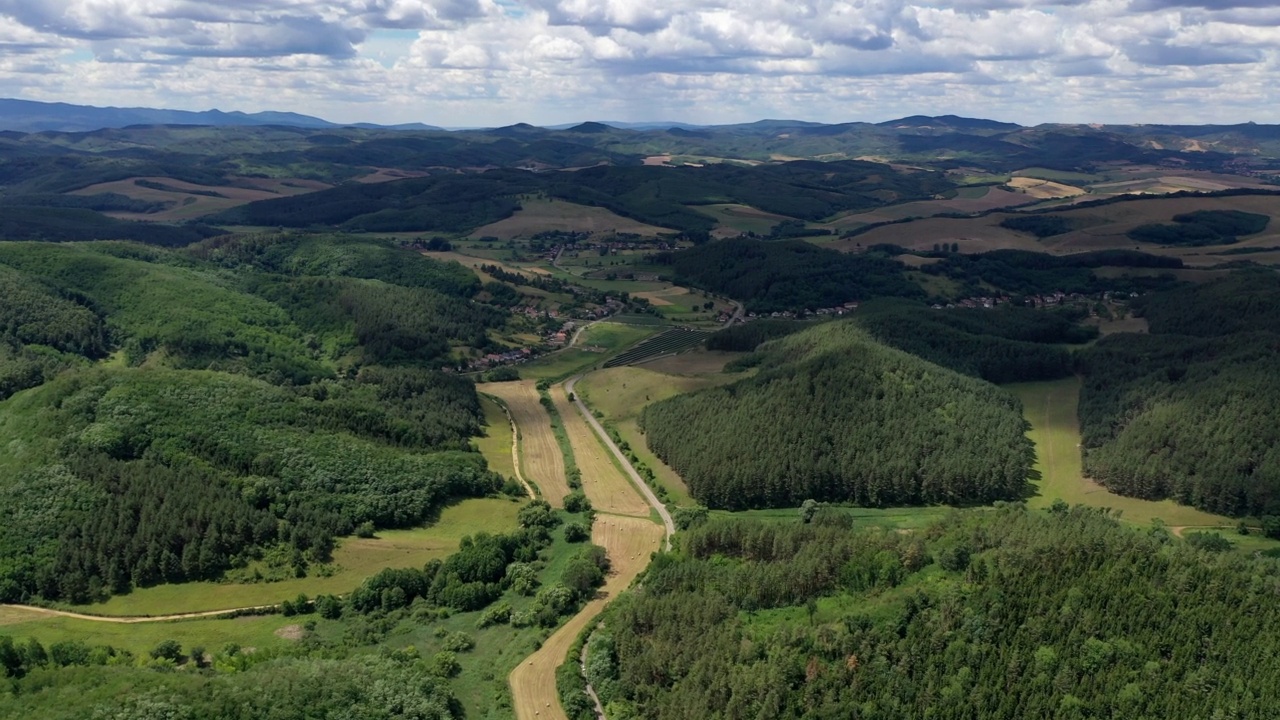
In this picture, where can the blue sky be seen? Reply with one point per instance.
(488, 62)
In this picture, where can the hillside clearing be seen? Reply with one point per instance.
(1050, 408)
(537, 216)
(354, 560)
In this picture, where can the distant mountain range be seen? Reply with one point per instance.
(31, 116)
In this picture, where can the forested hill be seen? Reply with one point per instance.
(788, 275)
(1004, 613)
(1001, 345)
(833, 415)
(457, 202)
(1192, 411)
(174, 414)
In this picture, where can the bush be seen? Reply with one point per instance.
(576, 532)
(167, 650)
(577, 502)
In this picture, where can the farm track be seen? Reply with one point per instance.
(539, 455)
(606, 487)
(629, 542)
(131, 619)
(515, 452)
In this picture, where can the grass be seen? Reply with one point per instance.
(138, 638)
(677, 490)
(1050, 407)
(620, 393)
(905, 518)
(611, 337)
(1063, 176)
(355, 560)
(496, 443)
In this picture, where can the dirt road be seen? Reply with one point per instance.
(539, 455)
(636, 480)
(127, 619)
(629, 542)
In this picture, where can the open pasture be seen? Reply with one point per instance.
(1050, 408)
(257, 632)
(733, 219)
(354, 560)
(496, 443)
(1099, 228)
(596, 343)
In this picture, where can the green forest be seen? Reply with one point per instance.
(834, 415)
(1192, 410)
(394, 647)
(772, 276)
(188, 411)
(1000, 345)
(999, 613)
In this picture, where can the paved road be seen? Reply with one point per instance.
(626, 465)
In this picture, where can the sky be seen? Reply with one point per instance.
(496, 62)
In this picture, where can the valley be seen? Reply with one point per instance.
(503, 416)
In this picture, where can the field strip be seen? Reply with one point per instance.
(515, 449)
(540, 456)
(132, 619)
(602, 481)
(636, 481)
(629, 542)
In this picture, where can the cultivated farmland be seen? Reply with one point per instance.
(602, 481)
(540, 457)
(668, 343)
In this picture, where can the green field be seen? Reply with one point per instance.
(1062, 176)
(1050, 407)
(496, 443)
(906, 518)
(250, 632)
(610, 336)
(354, 560)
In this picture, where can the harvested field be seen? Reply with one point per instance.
(540, 459)
(1101, 228)
(663, 297)
(629, 542)
(381, 175)
(542, 215)
(992, 199)
(1044, 189)
(188, 200)
(608, 489)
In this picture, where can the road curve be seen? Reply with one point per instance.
(130, 619)
(639, 482)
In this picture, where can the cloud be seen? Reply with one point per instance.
(1160, 53)
(445, 61)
